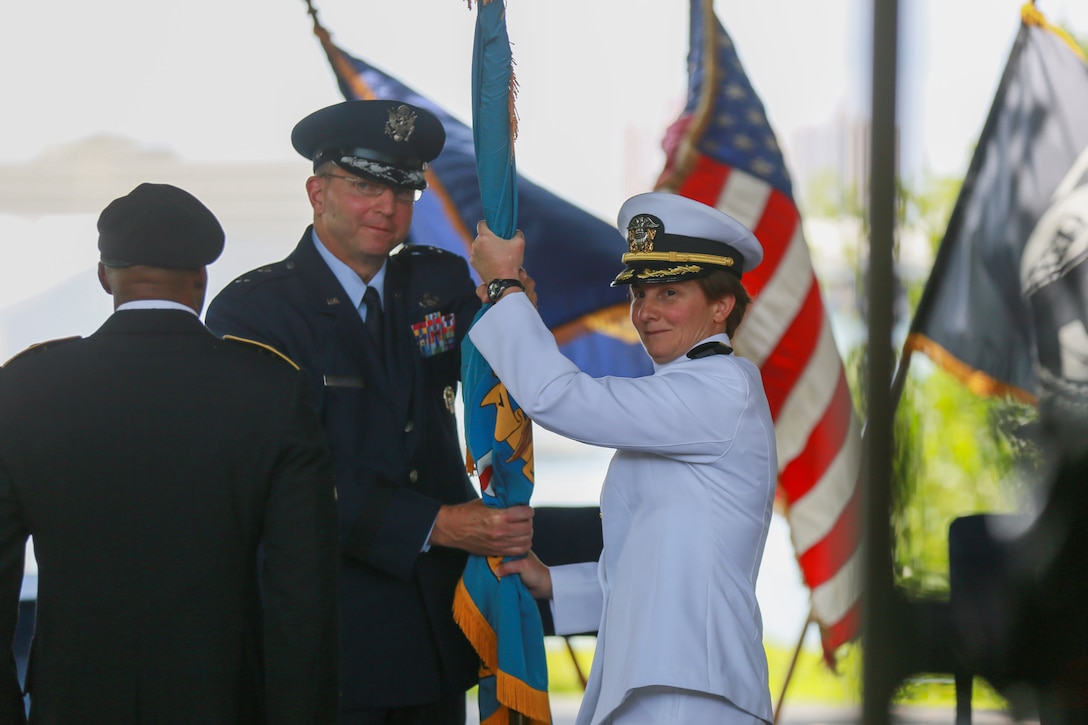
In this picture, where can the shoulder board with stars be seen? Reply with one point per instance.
(40, 347)
(421, 249)
(262, 346)
(268, 271)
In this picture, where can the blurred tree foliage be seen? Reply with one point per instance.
(956, 453)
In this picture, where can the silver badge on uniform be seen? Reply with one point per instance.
(450, 397)
(401, 123)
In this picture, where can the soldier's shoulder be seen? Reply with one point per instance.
(39, 348)
(260, 348)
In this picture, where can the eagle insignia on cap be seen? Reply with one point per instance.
(641, 232)
(401, 123)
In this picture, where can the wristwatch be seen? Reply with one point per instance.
(496, 287)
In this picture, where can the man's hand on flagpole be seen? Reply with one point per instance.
(536, 577)
(483, 530)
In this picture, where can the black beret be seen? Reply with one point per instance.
(389, 141)
(158, 225)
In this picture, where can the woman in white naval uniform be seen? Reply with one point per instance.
(686, 503)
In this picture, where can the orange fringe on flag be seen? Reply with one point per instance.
(475, 625)
(523, 699)
(512, 693)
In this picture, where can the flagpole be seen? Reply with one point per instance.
(793, 665)
(577, 667)
(879, 671)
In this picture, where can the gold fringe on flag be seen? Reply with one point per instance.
(976, 381)
(1030, 15)
(513, 694)
(477, 629)
(523, 699)
(513, 92)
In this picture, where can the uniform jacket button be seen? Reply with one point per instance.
(413, 475)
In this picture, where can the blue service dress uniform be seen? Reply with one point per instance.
(392, 431)
(685, 507)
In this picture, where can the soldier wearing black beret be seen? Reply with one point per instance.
(158, 225)
(379, 337)
(149, 462)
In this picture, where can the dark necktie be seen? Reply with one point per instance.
(373, 315)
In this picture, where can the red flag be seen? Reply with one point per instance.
(723, 152)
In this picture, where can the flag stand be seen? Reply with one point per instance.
(577, 667)
(793, 665)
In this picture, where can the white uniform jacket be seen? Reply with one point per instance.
(685, 506)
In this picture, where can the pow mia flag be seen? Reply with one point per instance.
(1054, 283)
(1006, 305)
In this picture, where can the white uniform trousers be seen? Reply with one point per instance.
(663, 705)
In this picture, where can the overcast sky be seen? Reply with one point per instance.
(216, 80)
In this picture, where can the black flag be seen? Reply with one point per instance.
(1006, 305)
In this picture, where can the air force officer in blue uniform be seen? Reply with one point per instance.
(384, 376)
(687, 500)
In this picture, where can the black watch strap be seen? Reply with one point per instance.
(496, 287)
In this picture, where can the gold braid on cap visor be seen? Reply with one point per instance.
(647, 273)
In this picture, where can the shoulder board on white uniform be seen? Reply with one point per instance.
(709, 348)
(262, 346)
(40, 347)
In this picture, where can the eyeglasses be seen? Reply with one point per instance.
(372, 188)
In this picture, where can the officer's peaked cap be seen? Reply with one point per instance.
(386, 141)
(671, 238)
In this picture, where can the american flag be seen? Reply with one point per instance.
(723, 152)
